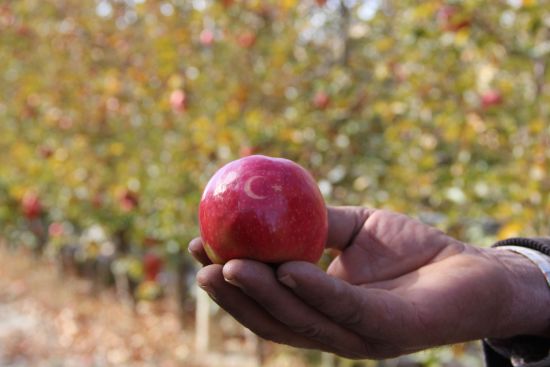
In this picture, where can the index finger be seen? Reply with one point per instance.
(196, 249)
(344, 223)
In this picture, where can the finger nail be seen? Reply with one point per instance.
(209, 291)
(288, 281)
(205, 288)
(192, 247)
(233, 282)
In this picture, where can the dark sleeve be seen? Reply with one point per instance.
(541, 244)
(493, 358)
(522, 348)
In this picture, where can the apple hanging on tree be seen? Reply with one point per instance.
(129, 200)
(45, 151)
(152, 265)
(452, 19)
(31, 205)
(178, 100)
(206, 37)
(491, 98)
(247, 39)
(97, 200)
(56, 229)
(265, 209)
(321, 100)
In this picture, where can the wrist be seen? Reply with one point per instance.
(528, 308)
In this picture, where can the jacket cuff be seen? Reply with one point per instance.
(522, 350)
(540, 244)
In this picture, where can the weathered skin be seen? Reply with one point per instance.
(265, 209)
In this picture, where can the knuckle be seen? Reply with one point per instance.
(269, 335)
(350, 320)
(313, 331)
(353, 317)
(309, 330)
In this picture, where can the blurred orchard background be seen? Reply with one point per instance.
(115, 113)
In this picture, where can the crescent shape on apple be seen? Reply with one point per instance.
(248, 188)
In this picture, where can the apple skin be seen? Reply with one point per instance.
(129, 200)
(32, 206)
(451, 19)
(491, 98)
(178, 100)
(207, 37)
(321, 100)
(56, 229)
(152, 265)
(246, 39)
(265, 209)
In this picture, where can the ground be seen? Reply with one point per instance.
(50, 320)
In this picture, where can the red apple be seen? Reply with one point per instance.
(24, 31)
(491, 98)
(451, 19)
(129, 200)
(45, 151)
(321, 100)
(206, 37)
(246, 39)
(178, 100)
(265, 209)
(152, 265)
(65, 123)
(97, 200)
(31, 204)
(56, 229)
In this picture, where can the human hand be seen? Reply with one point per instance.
(398, 286)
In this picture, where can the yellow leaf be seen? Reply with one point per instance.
(17, 192)
(381, 71)
(537, 126)
(425, 10)
(462, 37)
(384, 44)
(254, 120)
(288, 4)
(116, 149)
(512, 229)
(175, 81)
(61, 155)
(233, 108)
(112, 85)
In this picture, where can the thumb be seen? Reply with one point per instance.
(344, 223)
(370, 312)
